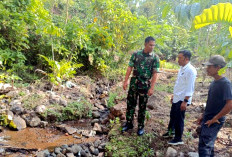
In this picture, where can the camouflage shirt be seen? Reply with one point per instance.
(144, 64)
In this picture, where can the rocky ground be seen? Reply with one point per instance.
(87, 135)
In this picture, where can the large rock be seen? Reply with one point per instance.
(40, 109)
(43, 153)
(19, 122)
(97, 128)
(17, 109)
(76, 149)
(34, 121)
(171, 152)
(70, 130)
(70, 155)
(117, 110)
(193, 154)
(96, 114)
(15, 102)
(12, 94)
(5, 88)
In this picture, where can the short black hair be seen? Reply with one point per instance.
(148, 39)
(186, 53)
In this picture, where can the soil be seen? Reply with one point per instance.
(159, 109)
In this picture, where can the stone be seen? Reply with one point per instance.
(43, 153)
(70, 130)
(60, 155)
(116, 110)
(17, 109)
(12, 94)
(34, 121)
(64, 146)
(40, 109)
(94, 121)
(88, 133)
(105, 129)
(10, 114)
(97, 143)
(97, 127)
(93, 150)
(104, 102)
(69, 84)
(181, 154)
(43, 124)
(99, 106)
(2, 150)
(150, 106)
(76, 148)
(159, 154)
(19, 122)
(193, 154)
(171, 152)
(70, 155)
(15, 102)
(63, 102)
(57, 150)
(96, 114)
(101, 154)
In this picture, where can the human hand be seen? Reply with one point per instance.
(210, 122)
(171, 100)
(125, 84)
(183, 106)
(150, 92)
(199, 120)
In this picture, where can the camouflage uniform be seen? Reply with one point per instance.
(144, 65)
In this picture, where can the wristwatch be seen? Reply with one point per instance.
(185, 100)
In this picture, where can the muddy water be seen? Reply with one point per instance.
(39, 138)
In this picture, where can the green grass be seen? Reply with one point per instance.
(130, 146)
(74, 110)
(164, 87)
(168, 65)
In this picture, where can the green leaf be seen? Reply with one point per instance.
(166, 11)
(230, 29)
(195, 9)
(222, 12)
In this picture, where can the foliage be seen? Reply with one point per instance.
(131, 146)
(6, 121)
(61, 71)
(164, 87)
(74, 110)
(168, 65)
(31, 101)
(220, 13)
(111, 99)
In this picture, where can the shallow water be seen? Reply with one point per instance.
(39, 138)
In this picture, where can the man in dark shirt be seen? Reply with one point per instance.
(219, 103)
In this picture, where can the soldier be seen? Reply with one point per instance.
(145, 65)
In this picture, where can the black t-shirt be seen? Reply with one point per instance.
(219, 92)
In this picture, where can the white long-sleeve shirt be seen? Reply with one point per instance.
(184, 85)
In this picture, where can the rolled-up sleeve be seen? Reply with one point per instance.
(132, 60)
(156, 64)
(190, 82)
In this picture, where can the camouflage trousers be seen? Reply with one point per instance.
(137, 89)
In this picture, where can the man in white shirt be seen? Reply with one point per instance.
(182, 97)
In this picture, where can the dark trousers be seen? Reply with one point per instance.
(208, 136)
(176, 120)
(132, 97)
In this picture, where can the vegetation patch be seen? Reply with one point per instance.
(74, 110)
